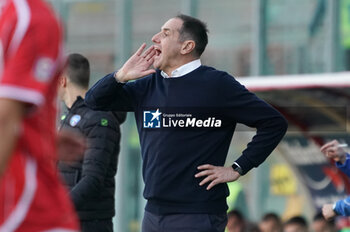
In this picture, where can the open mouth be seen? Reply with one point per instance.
(158, 51)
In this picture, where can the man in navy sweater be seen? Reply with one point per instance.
(186, 114)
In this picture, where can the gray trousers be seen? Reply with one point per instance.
(184, 222)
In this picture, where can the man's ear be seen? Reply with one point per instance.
(187, 47)
(63, 81)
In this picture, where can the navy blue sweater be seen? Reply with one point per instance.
(171, 156)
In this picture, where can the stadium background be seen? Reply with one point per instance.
(247, 38)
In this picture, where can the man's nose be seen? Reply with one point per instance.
(155, 38)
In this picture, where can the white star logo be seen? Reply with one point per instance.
(156, 115)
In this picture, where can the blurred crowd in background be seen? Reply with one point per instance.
(272, 222)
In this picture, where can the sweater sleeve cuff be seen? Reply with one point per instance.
(335, 206)
(245, 164)
(113, 74)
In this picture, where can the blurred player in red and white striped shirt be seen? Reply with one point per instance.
(31, 195)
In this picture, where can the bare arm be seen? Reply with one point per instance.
(11, 114)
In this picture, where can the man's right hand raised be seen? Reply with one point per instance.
(333, 151)
(137, 66)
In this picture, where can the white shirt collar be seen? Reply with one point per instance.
(184, 69)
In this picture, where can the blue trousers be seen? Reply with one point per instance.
(184, 222)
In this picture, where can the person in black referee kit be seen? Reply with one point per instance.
(183, 155)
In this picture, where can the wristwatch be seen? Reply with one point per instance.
(237, 168)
